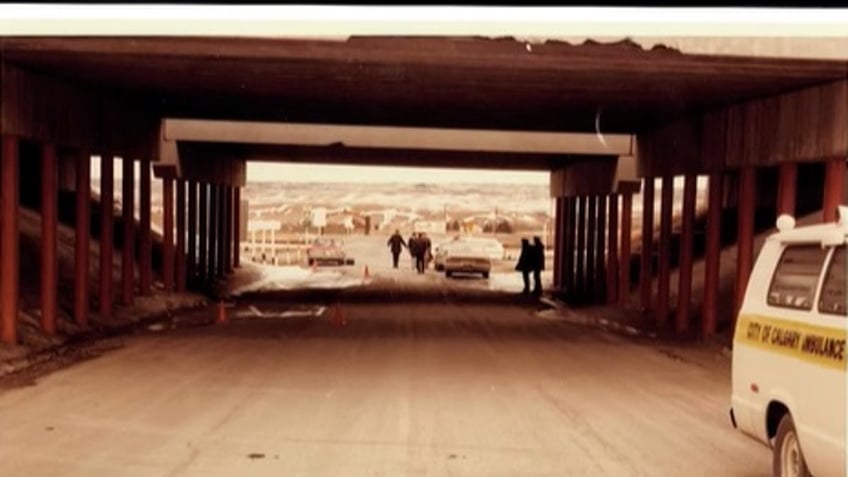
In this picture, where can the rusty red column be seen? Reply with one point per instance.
(203, 232)
(664, 250)
(180, 258)
(747, 199)
(213, 232)
(168, 233)
(580, 278)
(128, 217)
(145, 239)
(612, 253)
(82, 238)
(558, 232)
(834, 185)
(600, 251)
(626, 243)
(9, 261)
(591, 247)
(712, 259)
(570, 207)
(191, 257)
(221, 240)
(228, 229)
(49, 226)
(646, 259)
(237, 227)
(106, 233)
(787, 188)
(684, 289)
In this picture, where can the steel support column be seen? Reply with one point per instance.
(591, 245)
(712, 260)
(145, 239)
(558, 232)
(128, 217)
(834, 184)
(191, 258)
(684, 290)
(213, 232)
(49, 226)
(82, 238)
(664, 251)
(626, 243)
(180, 257)
(570, 207)
(203, 232)
(237, 227)
(612, 254)
(222, 231)
(747, 200)
(106, 233)
(168, 233)
(580, 278)
(9, 258)
(600, 251)
(646, 259)
(787, 188)
(228, 229)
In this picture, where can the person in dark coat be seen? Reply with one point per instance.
(538, 264)
(412, 245)
(397, 244)
(525, 265)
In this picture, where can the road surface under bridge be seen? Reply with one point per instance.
(437, 387)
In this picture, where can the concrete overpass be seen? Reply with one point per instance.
(600, 117)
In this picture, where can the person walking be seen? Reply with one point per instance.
(538, 264)
(525, 265)
(427, 245)
(397, 244)
(412, 246)
(420, 250)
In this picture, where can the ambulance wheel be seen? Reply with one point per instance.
(788, 460)
(448, 274)
(485, 275)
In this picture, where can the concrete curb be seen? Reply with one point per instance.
(87, 338)
(561, 310)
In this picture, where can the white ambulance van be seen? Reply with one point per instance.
(789, 367)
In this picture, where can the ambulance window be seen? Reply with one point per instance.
(833, 291)
(796, 277)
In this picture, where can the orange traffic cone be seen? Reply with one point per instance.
(222, 313)
(365, 272)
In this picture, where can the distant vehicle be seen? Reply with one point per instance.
(789, 364)
(467, 257)
(327, 251)
(492, 248)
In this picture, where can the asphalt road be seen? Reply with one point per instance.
(417, 389)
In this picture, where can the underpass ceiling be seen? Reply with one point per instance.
(447, 82)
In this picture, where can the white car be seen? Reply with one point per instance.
(789, 367)
(467, 258)
(490, 246)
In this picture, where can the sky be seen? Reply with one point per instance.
(257, 171)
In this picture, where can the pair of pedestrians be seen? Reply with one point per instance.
(531, 260)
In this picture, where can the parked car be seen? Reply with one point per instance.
(492, 247)
(788, 365)
(327, 251)
(467, 257)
